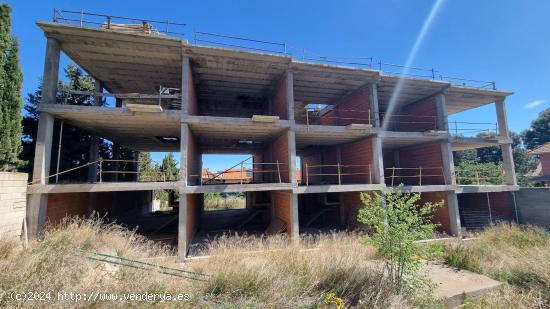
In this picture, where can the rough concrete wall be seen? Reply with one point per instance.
(279, 101)
(441, 215)
(355, 109)
(193, 161)
(416, 117)
(61, 205)
(534, 206)
(359, 154)
(282, 208)
(193, 102)
(13, 199)
(428, 157)
(545, 162)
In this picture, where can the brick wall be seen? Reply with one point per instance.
(282, 204)
(441, 215)
(278, 150)
(193, 102)
(61, 205)
(355, 109)
(501, 203)
(193, 160)
(416, 117)
(429, 157)
(351, 202)
(359, 154)
(13, 200)
(279, 102)
(311, 160)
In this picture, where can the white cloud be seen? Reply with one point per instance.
(534, 104)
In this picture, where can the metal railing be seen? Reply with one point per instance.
(166, 97)
(433, 74)
(157, 27)
(101, 171)
(461, 128)
(245, 173)
(117, 23)
(468, 177)
(218, 39)
(340, 171)
(413, 173)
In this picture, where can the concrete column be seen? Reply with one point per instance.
(184, 148)
(508, 164)
(290, 94)
(37, 203)
(501, 118)
(454, 215)
(94, 142)
(377, 167)
(448, 163)
(182, 226)
(373, 96)
(442, 117)
(185, 79)
(291, 156)
(295, 235)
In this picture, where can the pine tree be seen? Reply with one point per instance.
(11, 80)
(169, 167)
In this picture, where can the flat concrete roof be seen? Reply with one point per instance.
(140, 63)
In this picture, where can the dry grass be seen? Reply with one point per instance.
(518, 256)
(282, 276)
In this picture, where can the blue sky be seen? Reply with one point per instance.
(504, 41)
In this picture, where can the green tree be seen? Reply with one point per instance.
(169, 168)
(148, 170)
(539, 132)
(11, 80)
(398, 220)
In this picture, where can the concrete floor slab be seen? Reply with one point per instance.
(457, 285)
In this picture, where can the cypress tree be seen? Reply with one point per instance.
(11, 80)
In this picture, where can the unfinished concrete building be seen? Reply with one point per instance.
(354, 130)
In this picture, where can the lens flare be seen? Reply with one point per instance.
(410, 59)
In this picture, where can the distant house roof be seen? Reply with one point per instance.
(544, 148)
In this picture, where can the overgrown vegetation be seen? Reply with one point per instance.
(398, 221)
(517, 256)
(219, 201)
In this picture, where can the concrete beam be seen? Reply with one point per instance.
(508, 164)
(501, 118)
(454, 216)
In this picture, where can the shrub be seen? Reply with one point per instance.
(397, 221)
